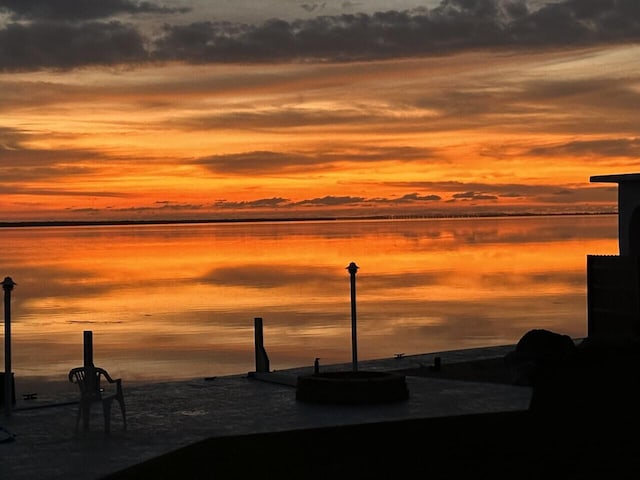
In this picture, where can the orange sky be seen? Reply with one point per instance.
(462, 128)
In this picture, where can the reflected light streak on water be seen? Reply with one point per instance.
(178, 301)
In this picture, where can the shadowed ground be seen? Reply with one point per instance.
(580, 421)
(514, 445)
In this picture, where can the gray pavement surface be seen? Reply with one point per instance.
(163, 417)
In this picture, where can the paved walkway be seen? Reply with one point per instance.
(164, 417)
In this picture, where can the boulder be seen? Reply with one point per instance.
(537, 351)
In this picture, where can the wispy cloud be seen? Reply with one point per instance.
(470, 195)
(613, 147)
(265, 162)
(251, 204)
(260, 162)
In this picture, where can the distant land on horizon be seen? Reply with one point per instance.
(81, 223)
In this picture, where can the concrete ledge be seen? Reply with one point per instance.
(273, 377)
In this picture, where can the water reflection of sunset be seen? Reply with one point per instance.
(179, 301)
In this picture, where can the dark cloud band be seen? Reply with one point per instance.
(49, 39)
(70, 10)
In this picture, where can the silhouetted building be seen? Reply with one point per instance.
(613, 281)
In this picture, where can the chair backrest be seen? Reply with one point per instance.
(88, 380)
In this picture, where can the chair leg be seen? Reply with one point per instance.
(124, 413)
(86, 415)
(106, 407)
(78, 415)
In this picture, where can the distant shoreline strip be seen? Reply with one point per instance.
(83, 223)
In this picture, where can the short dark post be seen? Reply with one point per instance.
(88, 348)
(262, 360)
(353, 268)
(7, 285)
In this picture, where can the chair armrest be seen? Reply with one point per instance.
(106, 375)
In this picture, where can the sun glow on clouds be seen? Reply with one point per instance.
(467, 132)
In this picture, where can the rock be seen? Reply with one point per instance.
(536, 351)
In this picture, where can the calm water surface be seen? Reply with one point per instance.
(179, 301)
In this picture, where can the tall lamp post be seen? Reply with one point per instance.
(7, 285)
(353, 268)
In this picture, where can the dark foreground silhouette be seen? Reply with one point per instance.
(514, 445)
(583, 422)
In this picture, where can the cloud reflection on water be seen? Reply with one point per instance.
(177, 301)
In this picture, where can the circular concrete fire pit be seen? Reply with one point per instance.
(352, 388)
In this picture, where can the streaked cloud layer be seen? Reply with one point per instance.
(186, 109)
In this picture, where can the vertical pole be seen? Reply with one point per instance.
(262, 359)
(88, 348)
(7, 285)
(90, 378)
(353, 268)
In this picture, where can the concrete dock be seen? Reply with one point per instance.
(165, 417)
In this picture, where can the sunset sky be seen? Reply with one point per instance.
(134, 110)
